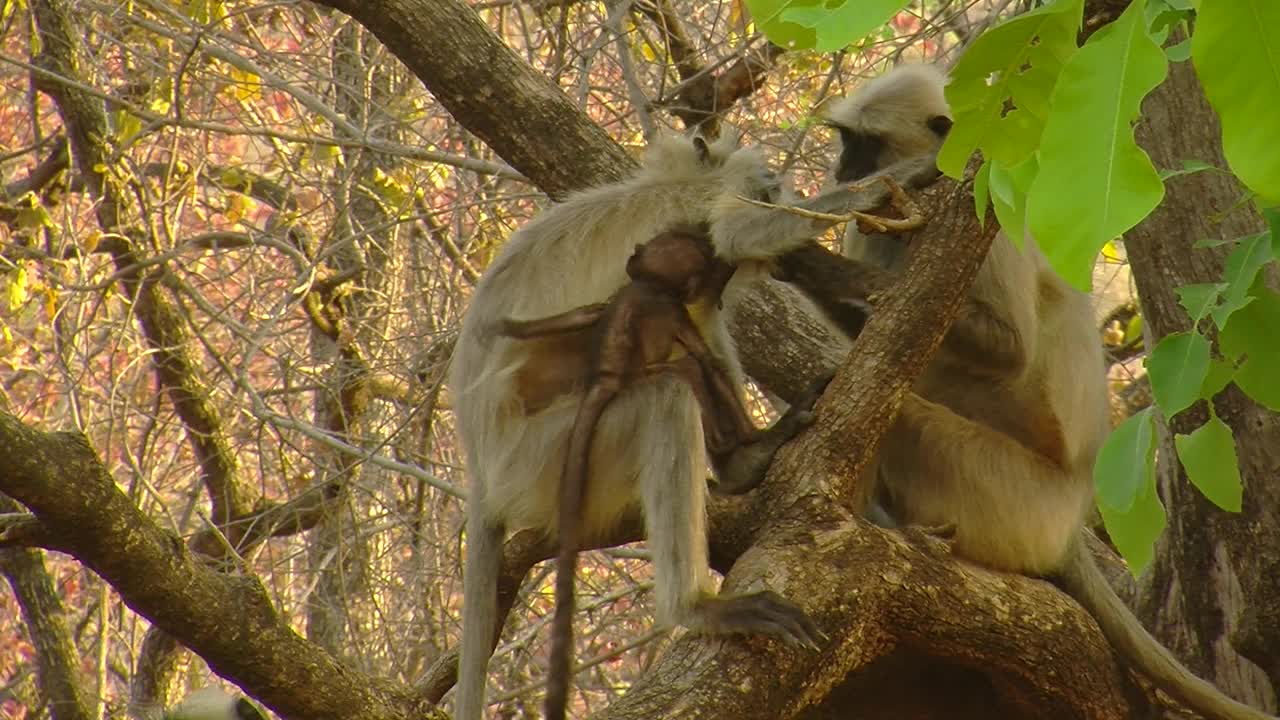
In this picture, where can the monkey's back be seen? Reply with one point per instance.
(570, 255)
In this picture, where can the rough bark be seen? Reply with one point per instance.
(1211, 593)
(510, 106)
(57, 663)
(227, 619)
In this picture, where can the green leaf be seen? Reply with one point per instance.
(1134, 530)
(836, 25)
(1179, 52)
(1236, 51)
(1209, 456)
(1216, 379)
(17, 291)
(1254, 334)
(1199, 299)
(1243, 263)
(767, 15)
(1124, 462)
(982, 192)
(1257, 378)
(1022, 58)
(1008, 195)
(1095, 182)
(1133, 330)
(1177, 367)
(1189, 167)
(1273, 219)
(1255, 328)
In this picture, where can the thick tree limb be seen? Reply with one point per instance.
(227, 619)
(162, 324)
(879, 598)
(510, 106)
(58, 665)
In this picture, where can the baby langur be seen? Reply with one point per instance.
(644, 330)
(1000, 434)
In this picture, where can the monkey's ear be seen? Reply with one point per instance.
(704, 152)
(940, 125)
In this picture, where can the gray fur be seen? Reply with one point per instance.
(212, 703)
(648, 445)
(1000, 436)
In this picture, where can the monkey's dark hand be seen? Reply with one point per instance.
(760, 613)
(801, 263)
(744, 469)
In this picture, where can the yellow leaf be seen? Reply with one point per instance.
(91, 240)
(248, 86)
(51, 303)
(17, 289)
(1133, 330)
(1111, 253)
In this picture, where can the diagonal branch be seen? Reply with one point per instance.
(518, 113)
(162, 324)
(227, 619)
(1006, 643)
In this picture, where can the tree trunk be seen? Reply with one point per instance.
(1211, 593)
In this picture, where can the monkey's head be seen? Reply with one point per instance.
(679, 259)
(899, 115)
(743, 169)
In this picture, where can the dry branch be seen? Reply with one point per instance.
(227, 619)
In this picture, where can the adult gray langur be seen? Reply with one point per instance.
(515, 412)
(1001, 432)
(213, 703)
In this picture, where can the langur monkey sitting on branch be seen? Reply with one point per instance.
(646, 330)
(515, 411)
(1001, 432)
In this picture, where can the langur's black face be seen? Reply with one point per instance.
(862, 154)
(859, 154)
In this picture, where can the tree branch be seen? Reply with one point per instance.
(227, 619)
(162, 324)
(514, 109)
(58, 666)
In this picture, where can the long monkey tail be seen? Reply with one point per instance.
(1085, 582)
(479, 605)
(572, 486)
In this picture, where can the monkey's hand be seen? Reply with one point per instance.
(760, 613)
(744, 468)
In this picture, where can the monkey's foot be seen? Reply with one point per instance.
(945, 531)
(760, 613)
(935, 539)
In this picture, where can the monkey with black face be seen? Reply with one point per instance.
(515, 406)
(644, 330)
(1000, 434)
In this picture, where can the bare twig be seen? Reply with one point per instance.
(912, 219)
